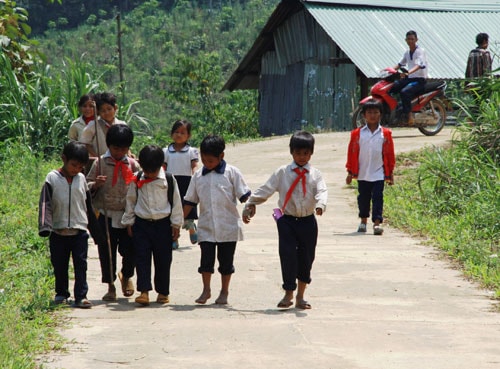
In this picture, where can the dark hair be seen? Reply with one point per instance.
(104, 98)
(151, 158)
(302, 140)
(180, 123)
(75, 150)
(371, 104)
(212, 145)
(84, 99)
(481, 38)
(411, 33)
(119, 135)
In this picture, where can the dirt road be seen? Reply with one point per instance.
(378, 302)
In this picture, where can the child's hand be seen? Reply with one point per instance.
(348, 179)
(175, 233)
(248, 212)
(391, 180)
(319, 211)
(100, 180)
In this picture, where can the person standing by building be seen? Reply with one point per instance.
(479, 60)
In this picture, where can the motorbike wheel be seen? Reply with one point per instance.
(435, 110)
(357, 118)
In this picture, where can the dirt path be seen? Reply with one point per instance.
(378, 302)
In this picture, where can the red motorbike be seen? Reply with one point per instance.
(428, 108)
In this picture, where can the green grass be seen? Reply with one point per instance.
(27, 327)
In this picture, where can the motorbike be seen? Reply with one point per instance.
(428, 108)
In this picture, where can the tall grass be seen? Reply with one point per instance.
(26, 282)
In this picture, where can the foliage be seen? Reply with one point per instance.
(175, 64)
(453, 196)
(26, 281)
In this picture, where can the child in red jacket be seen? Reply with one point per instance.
(371, 160)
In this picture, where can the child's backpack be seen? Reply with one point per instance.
(170, 189)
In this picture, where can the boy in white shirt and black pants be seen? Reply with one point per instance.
(302, 193)
(153, 222)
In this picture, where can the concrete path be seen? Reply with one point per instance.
(378, 302)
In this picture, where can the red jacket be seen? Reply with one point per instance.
(388, 155)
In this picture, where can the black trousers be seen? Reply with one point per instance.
(120, 241)
(225, 256)
(61, 248)
(297, 248)
(371, 193)
(153, 239)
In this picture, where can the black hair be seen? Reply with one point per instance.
(84, 99)
(212, 145)
(104, 98)
(180, 123)
(411, 33)
(119, 135)
(371, 104)
(481, 38)
(151, 158)
(75, 150)
(302, 140)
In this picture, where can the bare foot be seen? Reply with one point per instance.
(222, 299)
(205, 295)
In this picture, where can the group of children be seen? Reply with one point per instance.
(136, 208)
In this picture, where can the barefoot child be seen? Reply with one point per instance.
(181, 161)
(216, 188)
(65, 212)
(297, 227)
(109, 179)
(371, 160)
(153, 220)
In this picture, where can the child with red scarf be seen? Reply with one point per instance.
(109, 180)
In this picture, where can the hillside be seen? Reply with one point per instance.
(175, 61)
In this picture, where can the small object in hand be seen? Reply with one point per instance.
(277, 214)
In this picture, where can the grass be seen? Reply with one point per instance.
(27, 327)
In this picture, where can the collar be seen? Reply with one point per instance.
(365, 127)
(294, 165)
(172, 149)
(107, 154)
(161, 175)
(218, 169)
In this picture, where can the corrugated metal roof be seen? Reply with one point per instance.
(453, 5)
(373, 38)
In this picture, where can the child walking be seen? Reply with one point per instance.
(86, 109)
(94, 134)
(371, 160)
(297, 226)
(108, 180)
(216, 187)
(181, 161)
(65, 211)
(153, 219)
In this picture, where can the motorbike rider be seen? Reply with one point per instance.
(413, 82)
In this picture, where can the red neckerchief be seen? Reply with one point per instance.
(127, 174)
(301, 174)
(142, 182)
(88, 119)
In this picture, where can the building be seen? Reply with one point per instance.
(313, 60)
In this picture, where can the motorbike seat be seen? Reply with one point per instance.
(434, 85)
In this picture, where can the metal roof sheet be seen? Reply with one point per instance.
(454, 5)
(373, 38)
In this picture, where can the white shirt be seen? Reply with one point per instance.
(88, 135)
(179, 162)
(151, 202)
(371, 162)
(298, 205)
(217, 195)
(418, 58)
